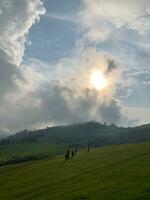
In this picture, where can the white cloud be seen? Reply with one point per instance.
(139, 115)
(43, 93)
(99, 17)
(16, 18)
(68, 18)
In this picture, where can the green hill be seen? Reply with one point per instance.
(32, 145)
(95, 133)
(120, 172)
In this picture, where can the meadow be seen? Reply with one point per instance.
(118, 172)
(33, 151)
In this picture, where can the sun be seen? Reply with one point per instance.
(98, 80)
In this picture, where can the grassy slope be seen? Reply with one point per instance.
(39, 149)
(111, 173)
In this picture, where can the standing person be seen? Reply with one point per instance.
(67, 154)
(75, 151)
(68, 151)
(88, 148)
(72, 153)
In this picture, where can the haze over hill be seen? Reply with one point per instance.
(95, 133)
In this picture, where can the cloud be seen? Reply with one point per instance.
(111, 113)
(64, 104)
(61, 98)
(16, 18)
(138, 115)
(61, 93)
(8, 73)
(99, 18)
(61, 17)
(120, 29)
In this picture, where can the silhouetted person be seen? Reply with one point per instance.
(67, 154)
(88, 148)
(68, 151)
(72, 153)
(75, 151)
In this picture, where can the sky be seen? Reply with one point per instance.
(49, 51)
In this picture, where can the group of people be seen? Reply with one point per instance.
(70, 153)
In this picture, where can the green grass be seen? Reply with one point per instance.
(39, 149)
(111, 173)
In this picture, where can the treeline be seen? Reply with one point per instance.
(21, 137)
(50, 133)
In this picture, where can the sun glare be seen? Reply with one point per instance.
(98, 80)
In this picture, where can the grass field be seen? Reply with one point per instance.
(110, 173)
(37, 150)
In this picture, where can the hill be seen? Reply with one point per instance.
(32, 145)
(80, 134)
(118, 172)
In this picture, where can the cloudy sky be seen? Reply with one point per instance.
(52, 53)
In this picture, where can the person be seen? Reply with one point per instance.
(68, 151)
(67, 154)
(75, 151)
(72, 153)
(88, 148)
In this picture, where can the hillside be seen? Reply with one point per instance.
(18, 153)
(33, 145)
(110, 173)
(80, 134)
